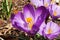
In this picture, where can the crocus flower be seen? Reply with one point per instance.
(54, 10)
(30, 20)
(50, 30)
(37, 3)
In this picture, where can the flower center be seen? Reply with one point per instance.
(55, 13)
(46, 4)
(49, 31)
(30, 22)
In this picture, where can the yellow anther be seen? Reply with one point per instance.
(30, 22)
(49, 31)
(29, 19)
(55, 13)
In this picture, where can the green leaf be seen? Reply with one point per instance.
(10, 5)
(6, 8)
(7, 5)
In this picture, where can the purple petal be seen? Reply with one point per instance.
(41, 15)
(28, 11)
(42, 27)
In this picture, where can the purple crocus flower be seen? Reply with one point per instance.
(30, 20)
(50, 30)
(55, 11)
(37, 3)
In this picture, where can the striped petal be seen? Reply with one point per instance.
(42, 27)
(18, 19)
(28, 11)
(41, 15)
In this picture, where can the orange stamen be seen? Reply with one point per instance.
(30, 22)
(55, 13)
(49, 31)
